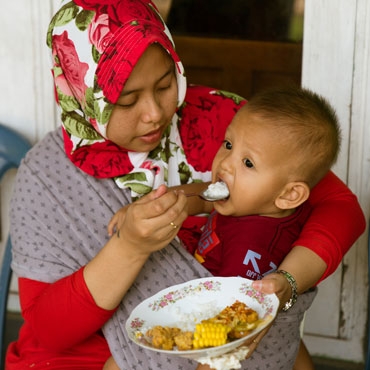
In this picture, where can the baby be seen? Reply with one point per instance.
(277, 147)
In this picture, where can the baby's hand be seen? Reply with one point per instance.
(274, 283)
(117, 221)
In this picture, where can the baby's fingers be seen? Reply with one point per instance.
(112, 225)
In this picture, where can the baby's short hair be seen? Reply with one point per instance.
(308, 122)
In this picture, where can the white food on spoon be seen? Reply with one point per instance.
(216, 191)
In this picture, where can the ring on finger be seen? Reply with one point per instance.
(173, 225)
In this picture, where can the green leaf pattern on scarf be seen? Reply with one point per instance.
(235, 97)
(83, 19)
(106, 113)
(134, 181)
(139, 189)
(163, 151)
(138, 176)
(79, 127)
(185, 173)
(67, 103)
(95, 54)
(90, 106)
(66, 14)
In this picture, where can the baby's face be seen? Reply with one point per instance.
(255, 164)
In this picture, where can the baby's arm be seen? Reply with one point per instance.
(306, 267)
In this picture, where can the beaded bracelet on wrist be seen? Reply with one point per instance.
(293, 286)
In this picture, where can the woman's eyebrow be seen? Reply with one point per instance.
(168, 72)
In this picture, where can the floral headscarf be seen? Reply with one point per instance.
(95, 47)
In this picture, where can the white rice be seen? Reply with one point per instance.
(186, 321)
(218, 190)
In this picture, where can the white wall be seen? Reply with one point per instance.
(336, 63)
(26, 90)
(26, 86)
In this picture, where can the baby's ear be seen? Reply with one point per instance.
(293, 195)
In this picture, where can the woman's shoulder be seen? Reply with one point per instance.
(51, 144)
(47, 159)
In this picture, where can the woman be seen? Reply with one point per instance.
(127, 130)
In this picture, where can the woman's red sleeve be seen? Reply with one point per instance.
(63, 313)
(335, 223)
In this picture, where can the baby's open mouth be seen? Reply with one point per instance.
(216, 191)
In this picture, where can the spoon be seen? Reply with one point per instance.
(214, 192)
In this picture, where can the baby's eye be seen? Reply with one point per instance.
(227, 145)
(248, 163)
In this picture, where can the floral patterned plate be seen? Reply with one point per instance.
(186, 304)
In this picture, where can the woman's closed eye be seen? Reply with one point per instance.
(127, 102)
(166, 83)
(164, 86)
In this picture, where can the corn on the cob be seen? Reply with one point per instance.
(210, 335)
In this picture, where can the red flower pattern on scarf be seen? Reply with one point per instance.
(128, 10)
(204, 119)
(102, 160)
(93, 4)
(71, 82)
(112, 76)
(99, 32)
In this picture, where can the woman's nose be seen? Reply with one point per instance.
(152, 110)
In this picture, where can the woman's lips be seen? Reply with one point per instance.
(152, 137)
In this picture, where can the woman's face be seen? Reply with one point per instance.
(147, 103)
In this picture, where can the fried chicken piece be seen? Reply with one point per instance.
(184, 341)
(239, 317)
(162, 337)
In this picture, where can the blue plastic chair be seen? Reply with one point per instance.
(13, 147)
